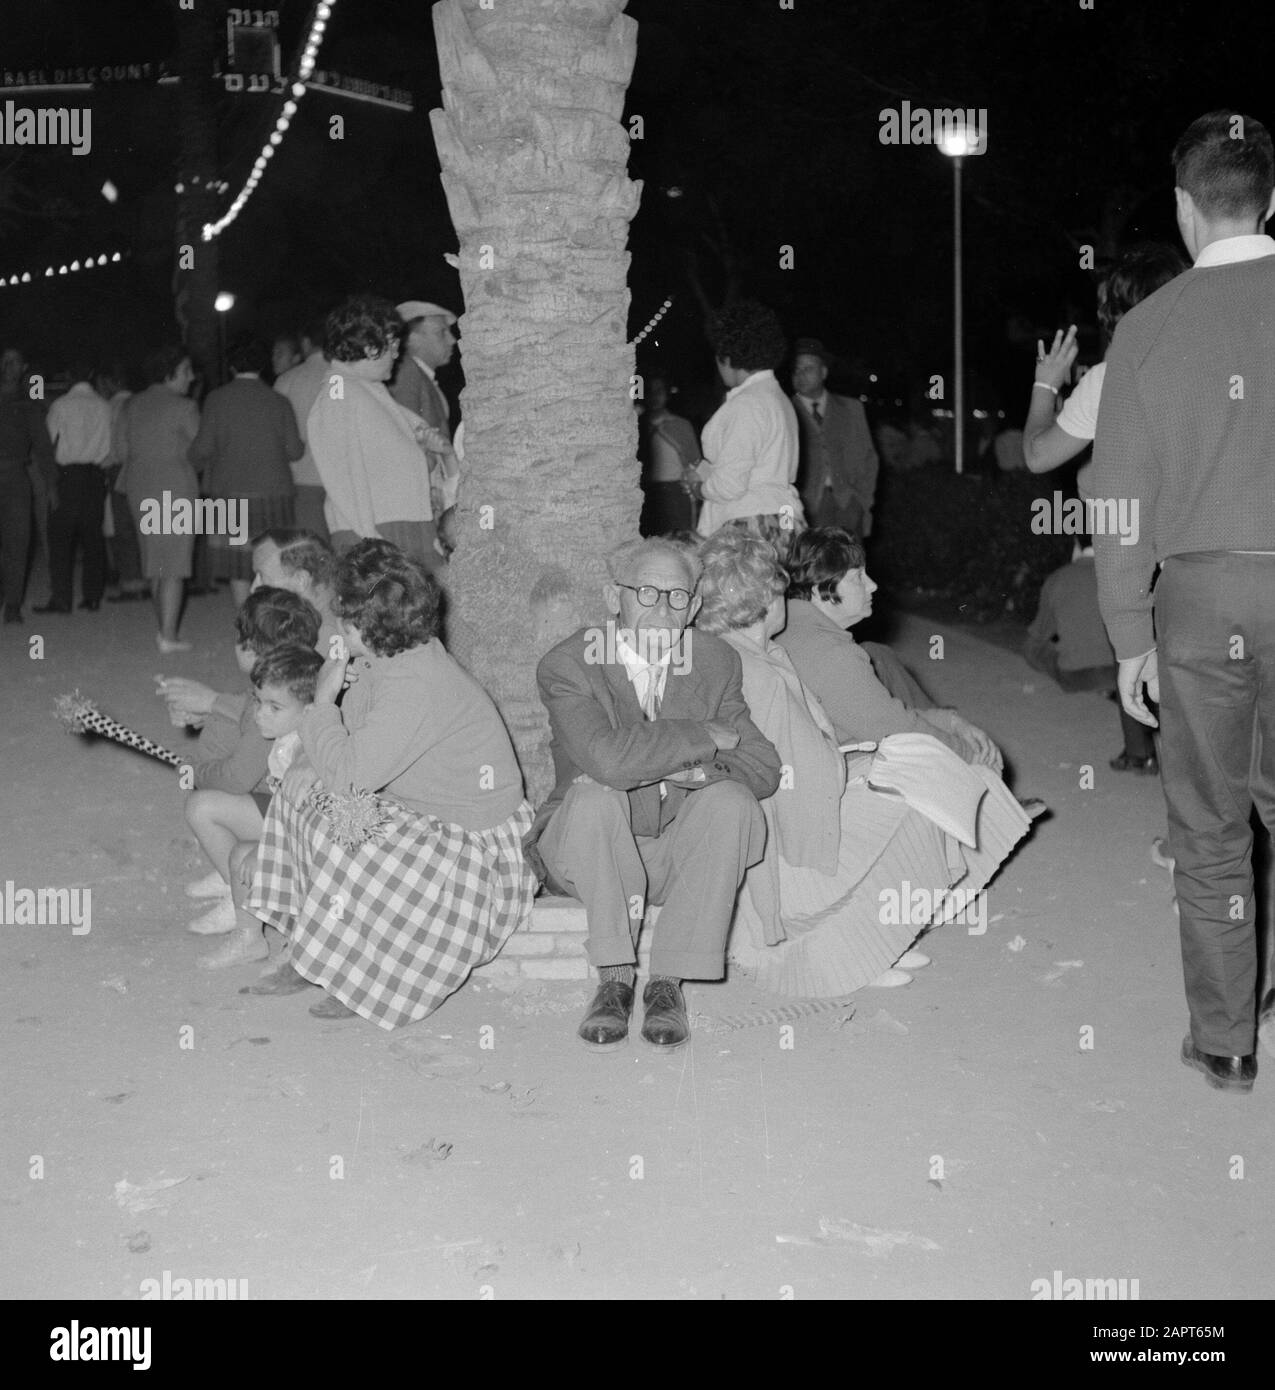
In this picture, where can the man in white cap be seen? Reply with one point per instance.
(429, 344)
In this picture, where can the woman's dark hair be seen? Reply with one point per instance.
(292, 666)
(249, 355)
(749, 335)
(271, 617)
(1138, 273)
(393, 600)
(162, 363)
(363, 326)
(1224, 160)
(304, 551)
(820, 559)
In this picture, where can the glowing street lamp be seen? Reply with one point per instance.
(957, 142)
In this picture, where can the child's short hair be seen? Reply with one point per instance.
(270, 617)
(292, 666)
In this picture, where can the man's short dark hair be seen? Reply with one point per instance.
(820, 559)
(749, 335)
(292, 666)
(1225, 162)
(363, 326)
(1141, 271)
(272, 617)
(249, 355)
(393, 600)
(304, 551)
(163, 362)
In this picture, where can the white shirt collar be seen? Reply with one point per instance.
(634, 664)
(821, 400)
(766, 375)
(426, 368)
(1232, 249)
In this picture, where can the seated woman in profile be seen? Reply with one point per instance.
(833, 906)
(391, 924)
(828, 592)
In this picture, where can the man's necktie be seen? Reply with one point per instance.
(814, 410)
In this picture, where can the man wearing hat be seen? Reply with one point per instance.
(838, 474)
(430, 342)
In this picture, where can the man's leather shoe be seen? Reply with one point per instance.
(91, 605)
(52, 608)
(12, 613)
(607, 1022)
(1222, 1073)
(664, 1020)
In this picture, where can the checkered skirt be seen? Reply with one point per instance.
(394, 927)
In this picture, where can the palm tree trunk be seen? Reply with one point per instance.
(199, 32)
(534, 160)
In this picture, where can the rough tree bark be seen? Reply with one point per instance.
(199, 32)
(534, 155)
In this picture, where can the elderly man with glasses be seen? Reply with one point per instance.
(659, 770)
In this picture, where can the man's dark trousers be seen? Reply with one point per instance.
(77, 520)
(1215, 636)
(15, 530)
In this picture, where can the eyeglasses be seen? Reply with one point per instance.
(648, 596)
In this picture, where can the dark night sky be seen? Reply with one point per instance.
(766, 119)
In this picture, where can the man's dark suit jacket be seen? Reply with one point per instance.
(851, 455)
(599, 729)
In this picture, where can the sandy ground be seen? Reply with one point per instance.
(949, 1139)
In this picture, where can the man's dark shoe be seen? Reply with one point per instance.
(1126, 762)
(664, 1020)
(51, 608)
(91, 605)
(1222, 1073)
(12, 613)
(607, 1022)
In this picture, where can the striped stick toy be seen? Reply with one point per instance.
(82, 716)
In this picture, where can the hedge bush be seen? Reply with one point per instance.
(967, 538)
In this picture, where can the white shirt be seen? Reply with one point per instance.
(808, 405)
(282, 752)
(648, 677)
(1232, 249)
(751, 448)
(80, 426)
(1079, 415)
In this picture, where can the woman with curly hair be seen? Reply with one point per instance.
(369, 450)
(393, 925)
(823, 914)
(749, 469)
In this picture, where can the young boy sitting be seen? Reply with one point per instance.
(231, 790)
(283, 684)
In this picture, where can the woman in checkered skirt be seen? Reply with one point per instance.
(393, 926)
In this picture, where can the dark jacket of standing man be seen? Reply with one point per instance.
(1185, 476)
(838, 475)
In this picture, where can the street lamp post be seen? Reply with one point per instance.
(223, 304)
(956, 142)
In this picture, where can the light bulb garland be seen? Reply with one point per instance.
(663, 309)
(310, 52)
(67, 268)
